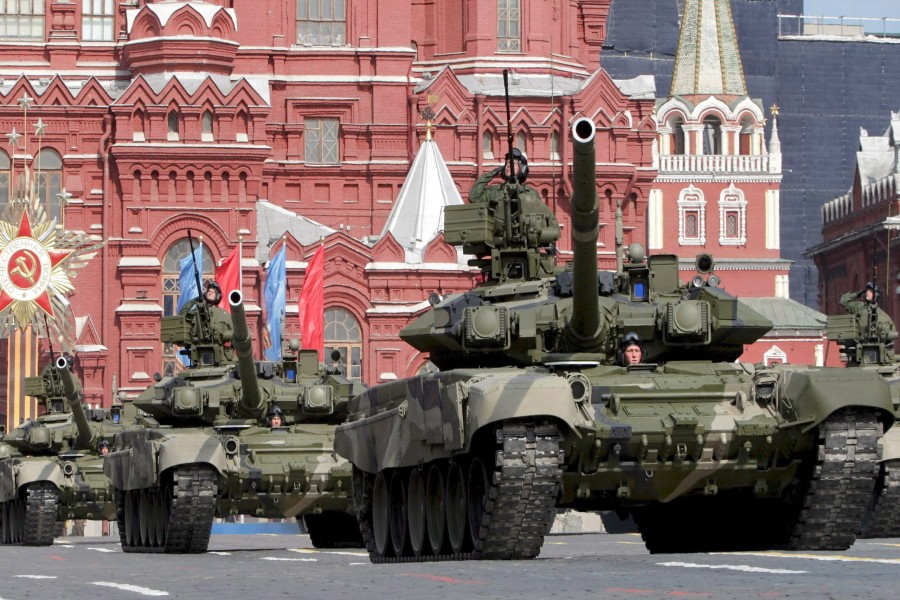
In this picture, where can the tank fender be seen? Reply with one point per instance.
(134, 467)
(808, 397)
(417, 420)
(190, 449)
(8, 488)
(890, 444)
(502, 396)
(30, 471)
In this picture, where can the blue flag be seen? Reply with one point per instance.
(275, 298)
(187, 282)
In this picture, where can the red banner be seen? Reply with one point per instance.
(312, 304)
(228, 276)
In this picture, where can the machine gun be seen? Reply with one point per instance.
(507, 226)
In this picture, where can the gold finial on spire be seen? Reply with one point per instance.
(428, 114)
(774, 109)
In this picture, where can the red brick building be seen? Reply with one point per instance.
(299, 120)
(718, 189)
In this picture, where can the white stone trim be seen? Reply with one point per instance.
(655, 216)
(688, 204)
(773, 219)
(774, 354)
(732, 200)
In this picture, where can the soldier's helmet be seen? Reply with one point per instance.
(628, 340)
(212, 285)
(521, 168)
(273, 412)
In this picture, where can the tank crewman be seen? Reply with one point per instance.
(631, 350)
(529, 200)
(275, 416)
(863, 304)
(219, 320)
(103, 447)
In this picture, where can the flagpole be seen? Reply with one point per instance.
(240, 257)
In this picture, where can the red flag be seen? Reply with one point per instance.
(228, 275)
(312, 304)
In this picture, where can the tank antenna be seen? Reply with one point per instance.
(509, 134)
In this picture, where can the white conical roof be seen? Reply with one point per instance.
(418, 213)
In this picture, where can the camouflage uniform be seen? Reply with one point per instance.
(219, 321)
(884, 326)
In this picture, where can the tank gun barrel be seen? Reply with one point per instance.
(584, 326)
(251, 400)
(75, 397)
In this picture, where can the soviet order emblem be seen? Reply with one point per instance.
(26, 266)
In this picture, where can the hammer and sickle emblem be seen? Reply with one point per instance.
(24, 269)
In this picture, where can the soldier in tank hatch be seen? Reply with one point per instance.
(876, 322)
(275, 417)
(219, 320)
(631, 351)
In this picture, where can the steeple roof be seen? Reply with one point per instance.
(418, 213)
(708, 61)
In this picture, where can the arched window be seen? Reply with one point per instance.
(206, 123)
(171, 290)
(677, 126)
(745, 146)
(48, 176)
(487, 145)
(172, 122)
(691, 217)
(520, 143)
(712, 135)
(732, 217)
(4, 180)
(342, 333)
(554, 146)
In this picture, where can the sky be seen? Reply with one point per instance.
(853, 8)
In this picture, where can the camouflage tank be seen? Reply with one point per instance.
(205, 449)
(51, 469)
(532, 410)
(866, 339)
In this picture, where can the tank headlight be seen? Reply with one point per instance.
(580, 386)
(68, 468)
(713, 281)
(231, 445)
(765, 391)
(698, 281)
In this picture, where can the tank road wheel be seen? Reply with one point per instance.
(415, 510)
(119, 497)
(883, 518)
(435, 509)
(145, 516)
(130, 517)
(457, 530)
(829, 506)
(381, 514)
(477, 488)
(42, 501)
(398, 514)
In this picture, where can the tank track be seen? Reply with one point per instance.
(181, 514)
(842, 483)
(41, 507)
(884, 518)
(518, 504)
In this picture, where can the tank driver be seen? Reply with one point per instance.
(631, 351)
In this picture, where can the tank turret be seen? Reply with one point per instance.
(72, 388)
(250, 400)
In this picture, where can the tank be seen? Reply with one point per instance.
(866, 341)
(51, 469)
(205, 449)
(532, 409)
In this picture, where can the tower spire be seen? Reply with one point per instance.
(708, 61)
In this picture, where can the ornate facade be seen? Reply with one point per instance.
(253, 123)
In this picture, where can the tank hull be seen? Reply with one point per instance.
(682, 438)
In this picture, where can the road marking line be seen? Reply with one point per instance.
(310, 551)
(127, 587)
(825, 557)
(746, 568)
(220, 553)
(36, 576)
(290, 559)
(101, 549)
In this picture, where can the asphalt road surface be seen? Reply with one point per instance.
(569, 567)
